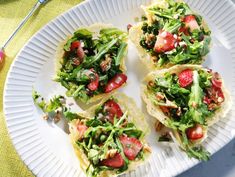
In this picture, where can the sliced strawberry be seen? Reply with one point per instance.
(195, 132)
(80, 52)
(76, 45)
(216, 80)
(185, 78)
(191, 22)
(93, 85)
(115, 82)
(81, 127)
(206, 100)
(115, 162)
(217, 92)
(165, 42)
(184, 30)
(131, 146)
(112, 109)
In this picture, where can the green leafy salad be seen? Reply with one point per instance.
(172, 34)
(105, 137)
(186, 99)
(93, 62)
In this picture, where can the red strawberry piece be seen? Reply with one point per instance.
(116, 162)
(131, 146)
(216, 80)
(185, 78)
(115, 82)
(76, 45)
(93, 85)
(184, 30)
(191, 22)
(206, 100)
(165, 42)
(81, 127)
(112, 109)
(195, 132)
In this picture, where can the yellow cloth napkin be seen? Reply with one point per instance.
(11, 13)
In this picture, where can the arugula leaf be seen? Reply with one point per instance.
(68, 44)
(172, 25)
(195, 99)
(41, 103)
(104, 49)
(199, 153)
(83, 33)
(121, 53)
(161, 13)
(55, 103)
(205, 47)
(111, 32)
(70, 115)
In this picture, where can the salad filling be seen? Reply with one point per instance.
(172, 34)
(187, 100)
(92, 63)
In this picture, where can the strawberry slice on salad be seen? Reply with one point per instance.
(131, 146)
(93, 85)
(185, 77)
(165, 42)
(76, 45)
(195, 132)
(81, 127)
(191, 22)
(112, 109)
(115, 82)
(115, 162)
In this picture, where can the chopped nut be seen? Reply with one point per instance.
(179, 112)
(146, 148)
(110, 153)
(106, 63)
(46, 117)
(151, 83)
(220, 99)
(154, 59)
(211, 106)
(57, 117)
(159, 96)
(149, 39)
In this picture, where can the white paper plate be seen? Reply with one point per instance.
(45, 147)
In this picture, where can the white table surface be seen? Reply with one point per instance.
(222, 163)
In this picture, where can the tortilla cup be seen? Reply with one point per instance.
(156, 112)
(134, 115)
(95, 28)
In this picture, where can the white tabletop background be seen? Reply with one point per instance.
(222, 163)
